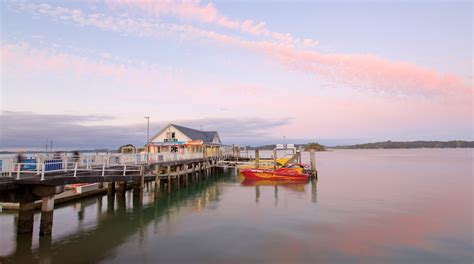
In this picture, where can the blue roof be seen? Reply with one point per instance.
(205, 136)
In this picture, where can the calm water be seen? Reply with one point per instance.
(369, 206)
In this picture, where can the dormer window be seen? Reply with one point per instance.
(173, 135)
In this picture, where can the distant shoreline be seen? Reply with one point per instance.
(420, 144)
(410, 145)
(390, 145)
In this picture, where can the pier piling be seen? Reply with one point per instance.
(26, 215)
(111, 188)
(138, 186)
(257, 158)
(121, 189)
(47, 212)
(312, 156)
(157, 176)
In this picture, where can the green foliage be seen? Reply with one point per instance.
(314, 146)
(129, 148)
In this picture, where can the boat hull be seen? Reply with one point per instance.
(274, 175)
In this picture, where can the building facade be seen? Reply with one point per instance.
(182, 140)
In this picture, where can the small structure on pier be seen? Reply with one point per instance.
(183, 140)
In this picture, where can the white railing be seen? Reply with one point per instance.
(6, 167)
(42, 164)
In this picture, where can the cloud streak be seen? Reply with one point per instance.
(26, 129)
(23, 58)
(208, 13)
(356, 71)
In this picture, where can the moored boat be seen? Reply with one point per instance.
(281, 174)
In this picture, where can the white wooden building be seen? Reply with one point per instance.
(174, 138)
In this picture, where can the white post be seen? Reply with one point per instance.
(124, 169)
(75, 169)
(42, 171)
(65, 162)
(18, 168)
(11, 169)
(103, 169)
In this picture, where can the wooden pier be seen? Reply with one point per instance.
(25, 188)
(27, 183)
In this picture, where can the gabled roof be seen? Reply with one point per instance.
(210, 135)
(205, 136)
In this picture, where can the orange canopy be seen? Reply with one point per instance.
(194, 143)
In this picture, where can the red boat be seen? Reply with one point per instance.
(281, 174)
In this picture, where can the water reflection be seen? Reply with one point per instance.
(125, 216)
(379, 206)
(291, 186)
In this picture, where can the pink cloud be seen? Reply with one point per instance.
(21, 58)
(357, 71)
(369, 71)
(208, 13)
(312, 116)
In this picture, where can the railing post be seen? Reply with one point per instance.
(64, 159)
(38, 169)
(43, 167)
(75, 169)
(18, 171)
(124, 169)
(11, 169)
(103, 169)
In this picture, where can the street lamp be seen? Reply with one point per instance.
(147, 134)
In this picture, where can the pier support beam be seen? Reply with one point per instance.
(111, 188)
(274, 159)
(257, 159)
(186, 175)
(312, 156)
(121, 188)
(157, 177)
(121, 204)
(110, 204)
(26, 215)
(138, 186)
(47, 212)
(168, 171)
(178, 174)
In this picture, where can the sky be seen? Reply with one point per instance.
(85, 74)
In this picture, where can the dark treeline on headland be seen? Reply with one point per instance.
(411, 144)
(381, 145)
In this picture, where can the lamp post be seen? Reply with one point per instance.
(147, 134)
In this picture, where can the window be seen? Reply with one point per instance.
(173, 135)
